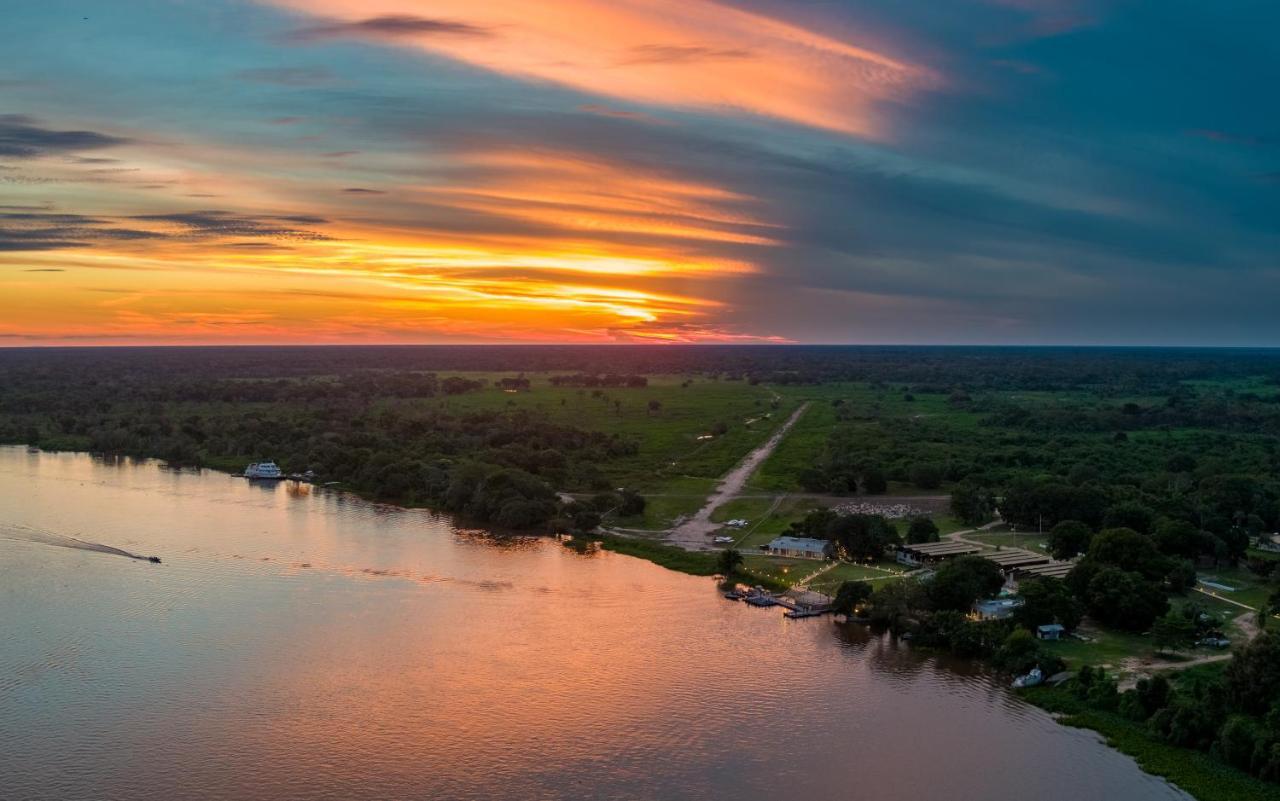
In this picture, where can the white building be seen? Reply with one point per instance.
(803, 547)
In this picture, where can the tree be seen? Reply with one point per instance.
(972, 505)
(1123, 599)
(1173, 632)
(1253, 676)
(1151, 695)
(926, 476)
(1181, 538)
(1240, 742)
(874, 482)
(729, 562)
(921, 529)
(1045, 601)
(583, 518)
(895, 603)
(961, 581)
(862, 537)
(849, 596)
(1068, 538)
(1130, 551)
(1019, 653)
(1130, 514)
(632, 504)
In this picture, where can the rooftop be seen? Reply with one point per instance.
(798, 544)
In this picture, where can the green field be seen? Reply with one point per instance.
(675, 441)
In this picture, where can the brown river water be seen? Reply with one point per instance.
(298, 643)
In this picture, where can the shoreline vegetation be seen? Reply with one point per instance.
(1200, 774)
(1152, 472)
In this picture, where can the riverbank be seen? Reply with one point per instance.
(1197, 772)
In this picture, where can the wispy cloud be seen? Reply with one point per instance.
(388, 26)
(678, 53)
(51, 230)
(23, 137)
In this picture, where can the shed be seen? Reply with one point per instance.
(1051, 631)
(996, 608)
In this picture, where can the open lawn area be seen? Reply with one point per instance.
(1007, 539)
(675, 497)
(1249, 588)
(677, 438)
(781, 570)
(1109, 647)
(766, 518)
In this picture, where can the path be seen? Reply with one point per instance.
(1135, 668)
(958, 536)
(692, 533)
(803, 583)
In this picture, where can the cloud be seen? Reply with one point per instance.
(389, 26)
(616, 113)
(680, 54)
(689, 54)
(23, 137)
(51, 230)
(216, 222)
(288, 76)
(39, 230)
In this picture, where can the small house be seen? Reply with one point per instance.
(1050, 631)
(996, 608)
(802, 547)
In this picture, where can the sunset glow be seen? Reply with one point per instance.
(643, 170)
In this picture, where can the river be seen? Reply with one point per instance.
(298, 643)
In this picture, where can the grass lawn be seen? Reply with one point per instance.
(1109, 647)
(766, 520)
(830, 581)
(1007, 539)
(1106, 647)
(698, 563)
(676, 496)
(778, 569)
(946, 525)
(670, 439)
(1250, 589)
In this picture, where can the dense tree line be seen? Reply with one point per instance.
(592, 380)
(370, 431)
(1115, 371)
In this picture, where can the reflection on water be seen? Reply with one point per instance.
(298, 643)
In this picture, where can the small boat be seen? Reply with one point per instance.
(267, 471)
(1032, 679)
(32, 449)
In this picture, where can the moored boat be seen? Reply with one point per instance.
(264, 471)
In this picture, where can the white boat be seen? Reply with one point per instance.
(263, 470)
(1032, 679)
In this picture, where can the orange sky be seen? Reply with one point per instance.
(315, 171)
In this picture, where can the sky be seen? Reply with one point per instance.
(472, 171)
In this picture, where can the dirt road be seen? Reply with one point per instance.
(692, 534)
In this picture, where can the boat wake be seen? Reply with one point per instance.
(25, 534)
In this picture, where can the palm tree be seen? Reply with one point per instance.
(730, 561)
